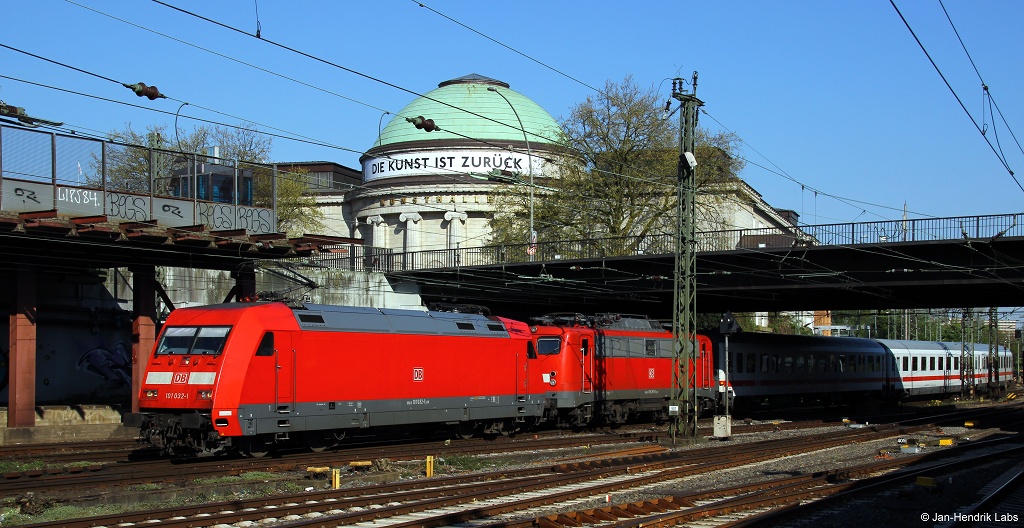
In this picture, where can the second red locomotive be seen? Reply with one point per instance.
(613, 368)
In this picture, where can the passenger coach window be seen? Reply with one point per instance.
(548, 346)
(266, 347)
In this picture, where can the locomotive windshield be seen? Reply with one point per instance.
(202, 340)
(548, 346)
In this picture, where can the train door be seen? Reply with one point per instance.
(523, 378)
(587, 361)
(704, 368)
(284, 381)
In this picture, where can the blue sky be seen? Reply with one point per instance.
(836, 95)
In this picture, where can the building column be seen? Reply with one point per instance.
(21, 388)
(143, 324)
(455, 220)
(378, 241)
(380, 229)
(412, 233)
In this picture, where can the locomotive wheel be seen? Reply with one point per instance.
(465, 431)
(256, 446)
(317, 441)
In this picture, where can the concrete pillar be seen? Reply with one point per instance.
(245, 283)
(143, 324)
(21, 388)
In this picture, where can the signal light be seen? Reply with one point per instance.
(422, 123)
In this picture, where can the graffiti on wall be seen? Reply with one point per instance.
(78, 366)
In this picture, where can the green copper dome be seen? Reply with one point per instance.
(461, 108)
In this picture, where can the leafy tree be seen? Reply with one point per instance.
(617, 174)
(128, 167)
(297, 210)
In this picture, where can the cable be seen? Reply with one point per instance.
(984, 85)
(803, 186)
(228, 57)
(955, 96)
(492, 144)
(781, 172)
(488, 143)
(506, 46)
(223, 25)
(365, 104)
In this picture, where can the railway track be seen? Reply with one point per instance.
(559, 484)
(438, 502)
(91, 477)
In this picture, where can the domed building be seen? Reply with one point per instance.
(429, 179)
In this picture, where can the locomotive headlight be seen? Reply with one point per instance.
(204, 395)
(151, 394)
(552, 378)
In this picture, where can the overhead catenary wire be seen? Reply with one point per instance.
(365, 75)
(987, 91)
(920, 44)
(574, 79)
(506, 46)
(309, 140)
(349, 149)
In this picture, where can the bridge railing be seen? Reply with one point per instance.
(84, 177)
(888, 231)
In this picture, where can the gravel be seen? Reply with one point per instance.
(903, 504)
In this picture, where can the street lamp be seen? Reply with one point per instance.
(532, 248)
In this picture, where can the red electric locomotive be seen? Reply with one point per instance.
(611, 369)
(247, 376)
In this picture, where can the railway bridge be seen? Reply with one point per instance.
(956, 262)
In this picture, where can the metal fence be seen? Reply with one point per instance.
(78, 177)
(953, 228)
